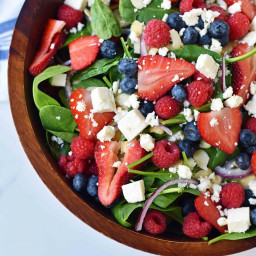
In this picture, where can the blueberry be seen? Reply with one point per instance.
(200, 24)
(179, 92)
(188, 206)
(247, 138)
(175, 21)
(224, 40)
(128, 85)
(92, 187)
(191, 132)
(253, 216)
(250, 150)
(79, 182)
(219, 29)
(108, 50)
(243, 161)
(146, 107)
(190, 36)
(127, 67)
(188, 146)
(247, 195)
(205, 40)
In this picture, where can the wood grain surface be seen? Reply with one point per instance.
(25, 41)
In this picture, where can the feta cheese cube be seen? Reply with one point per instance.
(166, 4)
(147, 142)
(228, 93)
(59, 80)
(253, 88)
(163, 51)
(76, 4)
(238, 219)
(201, 158)
(132, 124)
(176, 40)
(103, 100)
(236, 7)
(234, 101)
(134, 192)
(153, 51)
(251, 106)
(207, 66)
(250, 38)
(106, 134)
(184, 172)
(216, 46)
(216, 105)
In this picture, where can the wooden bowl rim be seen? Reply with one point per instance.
(47, 172)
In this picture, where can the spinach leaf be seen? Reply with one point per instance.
(58, 119)
(104, 23)
(115, 75)
(99, 67)
(148, 181)
(91, 82)
(179, 119)
(40, 98)
(235, 236)
(86, 31)
(63, 98)
(192, 52)
(152, 11)
(65, 136)
(165, 200)
(123, 210)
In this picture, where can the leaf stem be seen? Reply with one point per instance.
(169, 190)
(126, 51)
(242, 57)
(148, 173)
(143, 159)
(107, 82)
(185, 159)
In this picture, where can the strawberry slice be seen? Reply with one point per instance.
(244, 71)
(51, 41)
(247, 7)
(253, 162)
(224, 135)
(88, 123)
(208, 211)
(157, 75)
(83, 51)
(110, 180)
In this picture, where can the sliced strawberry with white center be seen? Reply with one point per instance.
(157, 75)
(88, 123)
(51, 40)
(224, 135)
(83, 51)
(110, 180)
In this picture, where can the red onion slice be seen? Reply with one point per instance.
(150, 200)
(67, 63)
(223, 79)
(230, 173)
(166, 129)
(68, 88)
(143, 47)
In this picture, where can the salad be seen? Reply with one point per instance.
(149, 107)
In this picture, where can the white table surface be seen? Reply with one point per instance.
(32, 220)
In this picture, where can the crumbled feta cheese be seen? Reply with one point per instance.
(188, 114)
(251, 106)
(238, 219)
(73, 30)
(222, 4)
(58, 117)
(134, 38)
(115, 86)
(165, 17)
(216, 105)
(182, 31)
(201, 158)
(173, 169)
(222, 221)
(120, 113)
(134, 192)
(153, 51)
(184, 172)
(196, 113)
(228, 93)
(133, 100)
(103, 100)
(216, 46)
(205, 184)
(208, 16)
(253, 24)
(206, 203)
(253, 88)
(176, 137)
(52, 46)
(236, 7)
(234, 101)
(80, 106)
(252, 201)
(214, 122)
(122, 100)
(116, 164)
(216, 193)
(176, 40)
(186, 104)
(191, 18)
(58, 140)
(207, 66)
(166, 4)
(163, 51)
(106, 134)
(152, 119)
(80, 26)
(252, 186)
(147, 142)
(76, 4)
(250, 38)
(132, 124)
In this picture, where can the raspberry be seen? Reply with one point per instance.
(157, 33)
(251, 124)
(165, 154)
(232, 195)
(193, 227)
(239, 26)
(155, 222)
(188, 5)
(198, 93)
(210, 91)
(91, 168)
(70, 16)
(221, 11)
(167, 107)
(82, 148)
(201, 77)
(71, 165)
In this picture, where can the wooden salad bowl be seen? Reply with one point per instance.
(27, 33)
